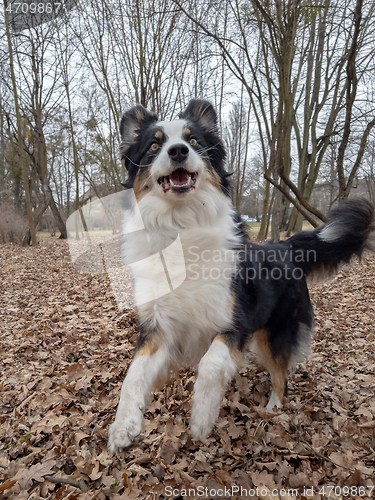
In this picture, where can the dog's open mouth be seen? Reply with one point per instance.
(178, 181)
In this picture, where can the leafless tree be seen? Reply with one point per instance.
(236, 138)
(295, 78)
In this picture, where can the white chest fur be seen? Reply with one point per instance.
(182, 274)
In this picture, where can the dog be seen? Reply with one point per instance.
(232, 295)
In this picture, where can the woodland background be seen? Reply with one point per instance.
(293, 82)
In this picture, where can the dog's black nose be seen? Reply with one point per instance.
(178, 152)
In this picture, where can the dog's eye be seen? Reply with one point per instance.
(193, 142)
(154, 146)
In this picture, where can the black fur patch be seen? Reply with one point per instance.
(136, 135)
(270, 285)
(202, 121)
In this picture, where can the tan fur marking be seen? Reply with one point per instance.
(215, 179)
(277, 369)
(187, 131)
(148, 349)
(159, 134)
(139, 187)
(220, 338)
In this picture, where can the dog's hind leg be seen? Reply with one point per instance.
(150, 365)
(215, 371)
(279, 375)
(277, 368)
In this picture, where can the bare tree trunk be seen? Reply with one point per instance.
(2, 147)
(41, 162)
(351, 91)
(51, 202)
(58, 219)
(262, 235)
(66, 58)
(276, 214)
(37, 218)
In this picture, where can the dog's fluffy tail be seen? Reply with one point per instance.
(349, 231)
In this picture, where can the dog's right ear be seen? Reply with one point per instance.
(132, 123)
(204, 112)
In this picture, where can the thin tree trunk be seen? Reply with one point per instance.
(276, 214)
(265, 217)
(52, 204)
(2, 147)
(75, 160)
(38, 217)
(351, 91)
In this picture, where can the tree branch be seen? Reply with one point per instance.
(361, 151)
(301, 199)
(72, 482)
(301, 209)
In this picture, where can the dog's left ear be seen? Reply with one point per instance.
(132, 122)
(204, 112)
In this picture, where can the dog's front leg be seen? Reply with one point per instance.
(216, 369)
(150, 364)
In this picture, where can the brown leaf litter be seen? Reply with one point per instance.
(65, 349)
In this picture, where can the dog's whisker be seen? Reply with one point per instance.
(136, 164)
(208, 148)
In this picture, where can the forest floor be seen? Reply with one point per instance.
(64, 352)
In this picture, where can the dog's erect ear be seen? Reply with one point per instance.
(204, 112)
(132, 123)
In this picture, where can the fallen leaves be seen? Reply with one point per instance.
(65, 349)
(36, 472)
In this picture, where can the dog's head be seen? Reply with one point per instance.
(175, 159)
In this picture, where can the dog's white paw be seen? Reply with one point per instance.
(274, 401)
(200, 429)
(123, 432)
(203, 418)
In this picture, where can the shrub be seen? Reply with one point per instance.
(13, 224)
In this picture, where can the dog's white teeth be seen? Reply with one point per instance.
(188, 183)
(167, 183)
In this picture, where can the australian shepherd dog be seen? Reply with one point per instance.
(205, 294)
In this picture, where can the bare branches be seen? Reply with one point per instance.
(300, 198)
(287, 195)
(303, 70)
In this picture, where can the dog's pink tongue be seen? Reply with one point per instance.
(179, 176)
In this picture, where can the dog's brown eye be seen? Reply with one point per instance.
(154, 146)
(193, 142)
